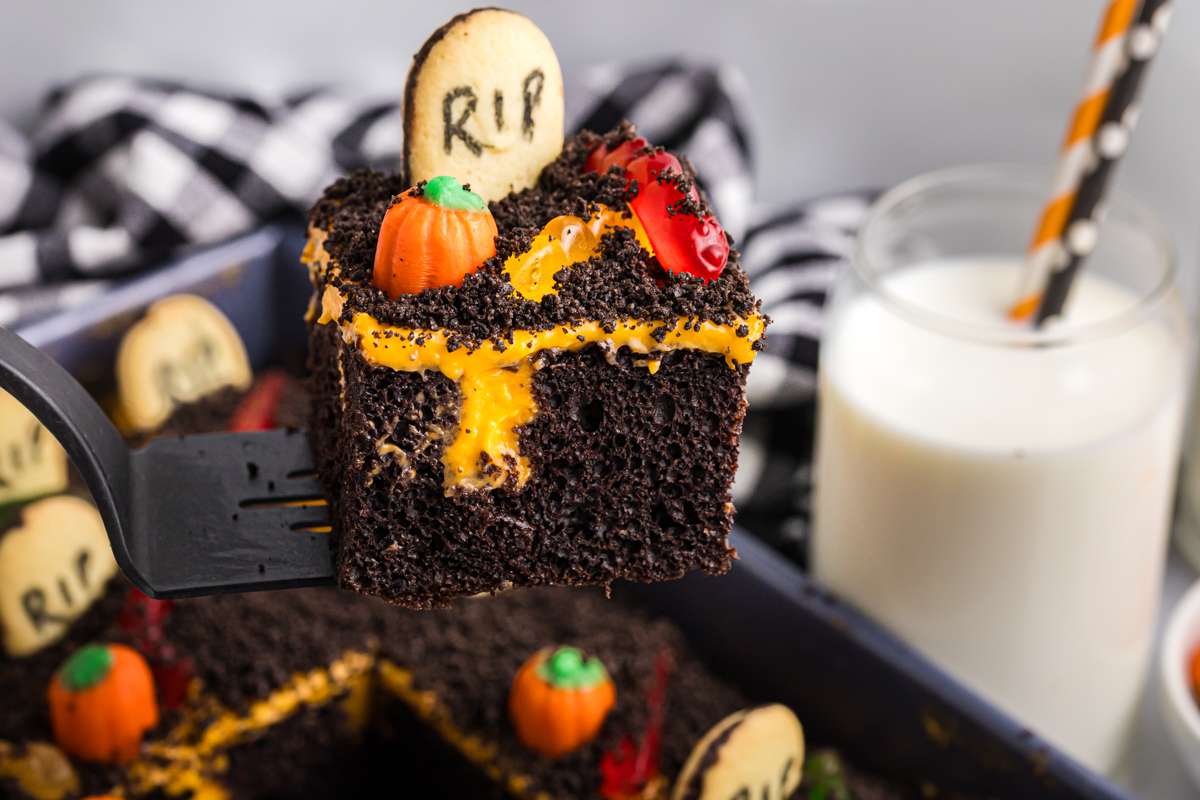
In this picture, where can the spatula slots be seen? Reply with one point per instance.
(190, 515)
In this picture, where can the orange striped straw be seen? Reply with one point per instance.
(1046, 250)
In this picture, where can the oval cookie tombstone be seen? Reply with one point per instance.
(483, 102)
(757, 754)
(183, 349)
(55, 560)
(32, 462)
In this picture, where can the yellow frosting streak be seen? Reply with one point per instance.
(193, 752)
(496, 381)
(398, 682)
(564, 241)
(495, 402)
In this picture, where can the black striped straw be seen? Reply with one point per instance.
(1109, 143)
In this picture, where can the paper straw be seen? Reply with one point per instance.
(1109, 144)
(1045, 250)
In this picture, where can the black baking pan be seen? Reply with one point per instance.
(782, 637)
(764, 625)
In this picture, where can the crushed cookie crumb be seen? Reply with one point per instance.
(621, 281)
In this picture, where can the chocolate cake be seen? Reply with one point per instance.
(529, 354)
(466, 658)
(278, 703)
(631, 450)
(319, 693)
(213, 413)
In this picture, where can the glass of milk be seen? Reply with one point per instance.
(996, 495)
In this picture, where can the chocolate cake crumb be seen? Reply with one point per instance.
(265, 638)
(311, 754)
(210, 414)
(469, 654)
(295, 406)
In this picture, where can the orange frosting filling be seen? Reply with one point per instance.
(564, 241)
(496, 379)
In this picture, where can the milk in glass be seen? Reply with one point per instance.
(1003, 504)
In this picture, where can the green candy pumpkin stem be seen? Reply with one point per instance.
(566, 668)
(446, 192)
(825, 777)
(88, 667)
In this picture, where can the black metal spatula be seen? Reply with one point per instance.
(191, 515)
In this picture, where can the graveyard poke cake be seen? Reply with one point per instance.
(528, 356)
(318, 693)
(314, 693)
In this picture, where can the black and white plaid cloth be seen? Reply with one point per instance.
(701, 111)
(793, 258)
(119, 174)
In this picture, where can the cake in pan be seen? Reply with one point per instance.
(321, 693)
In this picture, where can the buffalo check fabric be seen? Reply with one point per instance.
(120, 174)
(793, 258)
(701, 111)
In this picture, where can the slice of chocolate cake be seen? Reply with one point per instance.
(543, 390)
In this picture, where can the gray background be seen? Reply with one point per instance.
(848, 93)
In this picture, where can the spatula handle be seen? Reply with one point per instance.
(81, 427)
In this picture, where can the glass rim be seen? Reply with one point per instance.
(1049, 335)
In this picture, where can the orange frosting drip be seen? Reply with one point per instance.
(496, 379)
(564, 241)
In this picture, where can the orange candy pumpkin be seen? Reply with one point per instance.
(559, 701)
(432, 236)
(102, 702)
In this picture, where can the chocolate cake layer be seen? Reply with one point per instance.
(247, 646)
(209, 414)
(311, 755)
(212, 414)
(284, 678)
(631, 479)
